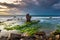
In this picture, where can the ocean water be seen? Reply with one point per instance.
(52, 20)
(49, 24)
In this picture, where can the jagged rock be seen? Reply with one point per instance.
(28, 18)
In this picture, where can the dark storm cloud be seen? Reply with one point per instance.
(35, 5)
(40, 3)
(9, 5)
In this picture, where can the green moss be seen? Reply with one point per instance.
(29, 27)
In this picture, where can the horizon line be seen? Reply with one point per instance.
(35, 15)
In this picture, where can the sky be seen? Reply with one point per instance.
(33, 7)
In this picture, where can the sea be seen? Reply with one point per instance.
(49, 23)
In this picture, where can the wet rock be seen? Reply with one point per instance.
(0, 22)
(15, 36)
(28, 18)
(25, 34)
(28, 38)
(40, 35)
(0, 30)
(3, 38)
(9, 19)
(50, 38)
(57, 37)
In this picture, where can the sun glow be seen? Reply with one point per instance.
(7, 1)
(5, 10)
(2, 6)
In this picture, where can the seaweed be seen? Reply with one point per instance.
(29, 27)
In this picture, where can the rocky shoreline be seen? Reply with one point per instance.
(37, 36)
(30, 30)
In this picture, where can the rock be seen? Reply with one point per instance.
(15, 36)
(50, 37)
(4, 33)
(3, 38)
(28, 38)
(0, 30)
(57, 37)
(28, 18)
(26, 34)
(40, 35)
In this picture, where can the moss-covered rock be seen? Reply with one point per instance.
(27, 27)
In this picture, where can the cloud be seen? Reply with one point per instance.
(56, 6)
(27, 3)
(9, 5)
(30, 5)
